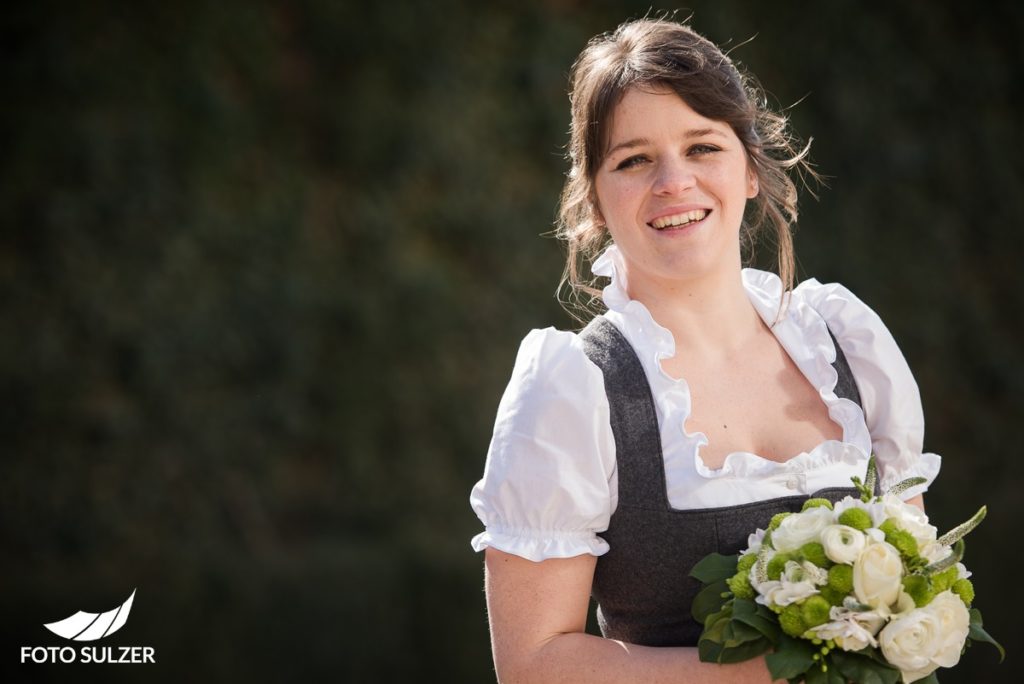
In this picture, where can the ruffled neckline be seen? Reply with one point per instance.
(802, 333)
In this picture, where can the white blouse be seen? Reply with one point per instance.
(550, 482)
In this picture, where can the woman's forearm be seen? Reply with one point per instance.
(579, 657)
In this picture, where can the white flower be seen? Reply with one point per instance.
(798, 529)
(842, 544)
(804, 572)
(798, 581)
(877, 574)
(910, 518)
(852, 629)
(754, 542)
(922, 640)
(962, 571)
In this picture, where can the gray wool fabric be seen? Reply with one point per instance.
(642, 585)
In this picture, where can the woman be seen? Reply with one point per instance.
(707, 397)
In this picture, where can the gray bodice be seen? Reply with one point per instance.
(642, 585)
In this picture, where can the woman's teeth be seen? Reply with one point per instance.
(676, 220)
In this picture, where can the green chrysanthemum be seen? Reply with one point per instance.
(815, 611)
(739, 585)
(919, 589)
(945, 579)
(904, 543)
(777, 564)
(832, 595)
(840, 578)
(857, 518)
(814, 503)
(777, 520)
(889, 526)
(815, 553)
(746, 562)
(965, 590)
(792, 621)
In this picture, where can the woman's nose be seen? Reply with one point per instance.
(673, 177)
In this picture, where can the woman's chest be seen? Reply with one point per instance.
(761, 404)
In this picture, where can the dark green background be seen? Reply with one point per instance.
(264, 268)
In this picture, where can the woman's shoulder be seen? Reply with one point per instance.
(552, 368)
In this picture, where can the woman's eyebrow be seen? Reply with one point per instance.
(639, 142)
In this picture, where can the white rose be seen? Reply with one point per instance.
(910, 518)
(877, 574)
(907, 642)
(800, 528)
(955, 623)
(842, 544)
(922, 640)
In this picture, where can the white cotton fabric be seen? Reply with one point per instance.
(550, 485)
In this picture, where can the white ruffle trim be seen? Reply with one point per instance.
(537, 545)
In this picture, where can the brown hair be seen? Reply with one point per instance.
(658, 53)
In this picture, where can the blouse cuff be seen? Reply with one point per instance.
(927, 467)
(538, 546)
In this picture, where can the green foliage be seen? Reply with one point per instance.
(714, 567)
(815, 503)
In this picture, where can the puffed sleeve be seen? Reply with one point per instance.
(889, 393)
(545, 491)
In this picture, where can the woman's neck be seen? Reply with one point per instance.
(710, 318)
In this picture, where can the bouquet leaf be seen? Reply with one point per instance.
(757, 616)
(871, 477)
(904, 485)
(960, 531)
(792, 658)
(864, 666)
(708, 601)
(714, 567)
(977, 633)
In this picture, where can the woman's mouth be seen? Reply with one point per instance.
(679, 220)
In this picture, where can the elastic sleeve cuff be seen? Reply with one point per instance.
(538, 546)
(927, 466)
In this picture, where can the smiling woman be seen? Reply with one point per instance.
(705, 399)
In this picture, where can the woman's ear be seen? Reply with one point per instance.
(753, 187)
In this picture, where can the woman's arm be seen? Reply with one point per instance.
(538, 614)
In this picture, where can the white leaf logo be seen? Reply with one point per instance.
(84, 626)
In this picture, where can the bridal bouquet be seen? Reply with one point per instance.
(863, 590)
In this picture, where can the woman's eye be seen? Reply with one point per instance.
(630, 162)
(702, 148)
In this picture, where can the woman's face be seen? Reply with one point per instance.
(672, 189)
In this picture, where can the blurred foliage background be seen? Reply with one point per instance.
(264, 268)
